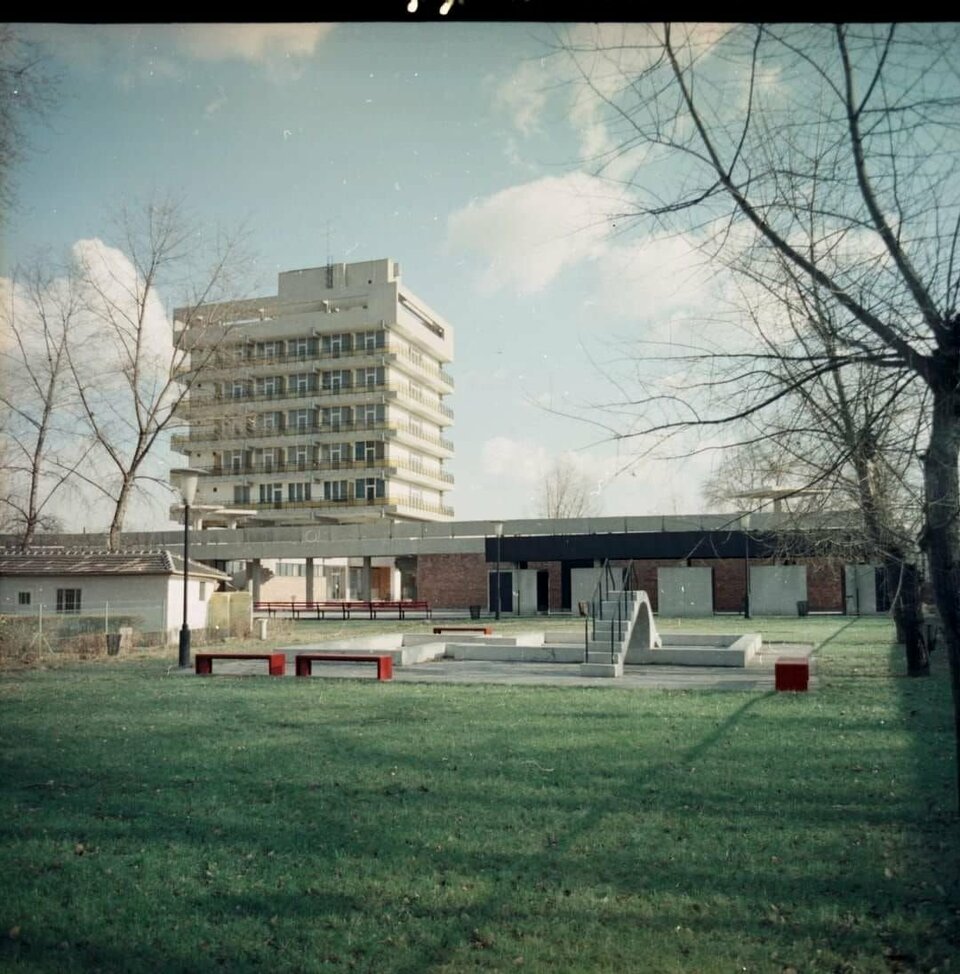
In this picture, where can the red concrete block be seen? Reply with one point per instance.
(791, 673)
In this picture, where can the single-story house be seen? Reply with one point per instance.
(144, 589)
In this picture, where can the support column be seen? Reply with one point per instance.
(308, 574)
(365, 573)
(253, 578)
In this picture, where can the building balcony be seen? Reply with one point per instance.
(351, 509)
(196, 441)
(386, 466)
(217, 404)
(226, 363)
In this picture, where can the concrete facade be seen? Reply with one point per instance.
(447, 563)
(685, 591)
(322, 402)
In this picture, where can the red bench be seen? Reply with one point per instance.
(303, 662)
(345, 608)
(276, 662)
(486, 630)
(791, 673)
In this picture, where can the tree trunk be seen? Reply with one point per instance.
(908, 616)
(119, 513)
(942, 540)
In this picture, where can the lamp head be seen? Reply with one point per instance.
(498, 529)
(185, 479)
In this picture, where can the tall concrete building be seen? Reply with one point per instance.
(321, 403)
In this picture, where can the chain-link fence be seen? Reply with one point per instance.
(30, 632)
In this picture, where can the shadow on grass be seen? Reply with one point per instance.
(258, 825)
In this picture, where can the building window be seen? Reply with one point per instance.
(334, 490)
(368, 341)
(370, 377)
(298, 347)
(370, 488)
(268, 349)
(271, 493)
(241, 495)
(371, 413)
(269, 422)
(298, 456)
(238, 390)
(299, 419)
(269, 386)
(235, 459)
(68, 600)
(298, 492)
(368, 451)
(300, 382)
(23, 598)
(337, 416)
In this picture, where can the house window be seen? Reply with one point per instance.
(23, 598)
(68, 600)
(298, 492)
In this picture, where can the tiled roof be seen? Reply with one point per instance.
(80, 561)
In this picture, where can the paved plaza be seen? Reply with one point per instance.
(759, 675)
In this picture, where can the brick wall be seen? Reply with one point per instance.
(452, 581)
(553, 581)
(824, 586)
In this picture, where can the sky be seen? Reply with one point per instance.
(459, 150)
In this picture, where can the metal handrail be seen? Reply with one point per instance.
(610, 576)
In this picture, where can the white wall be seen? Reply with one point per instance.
(156, 600)
(776, 589)
(684, 592)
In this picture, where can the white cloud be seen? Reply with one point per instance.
(518, 461)
(523, 95)
(527, 234)
(259, 43)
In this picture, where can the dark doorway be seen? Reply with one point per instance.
(543, 590)
(506, 591)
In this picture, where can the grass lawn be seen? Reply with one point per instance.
(153, 822)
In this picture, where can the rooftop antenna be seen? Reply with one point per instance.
(329, 259)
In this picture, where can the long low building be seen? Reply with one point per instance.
(689, 565)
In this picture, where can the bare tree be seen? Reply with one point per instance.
(129, 372)
(830, 150)
(27, 87)
(41, 449)
(566, 491)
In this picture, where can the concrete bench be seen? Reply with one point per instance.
(791, 673)
(276, 662)
(303, 662)
(486, 630)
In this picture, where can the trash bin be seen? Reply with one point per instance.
(474, 611)
(803, 608)
(113, 643)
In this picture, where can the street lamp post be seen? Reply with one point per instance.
(745, 522)
(498, 531)
(186, 480)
